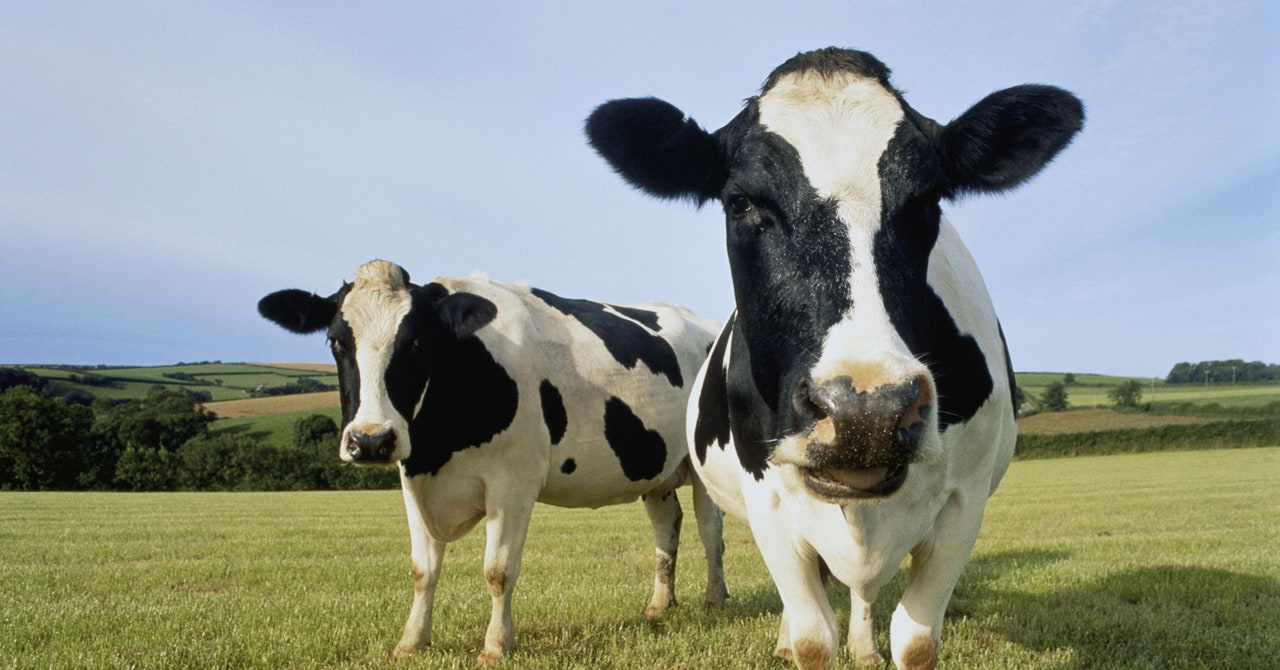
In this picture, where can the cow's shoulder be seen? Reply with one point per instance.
(968, 358)
(729, 408)
(711, 423)
(472, 396)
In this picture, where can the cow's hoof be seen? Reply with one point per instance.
(920, 654)
(869, 659)
(715, 599)
(402, 652)
(783, 653)
(488, 659)
(656, 610)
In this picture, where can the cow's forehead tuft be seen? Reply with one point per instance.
(380, 273)
(831, 62)
(377, 303)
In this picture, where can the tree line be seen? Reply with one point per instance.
(1234, 370)
(159, 443)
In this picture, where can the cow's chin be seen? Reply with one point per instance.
(854, 484)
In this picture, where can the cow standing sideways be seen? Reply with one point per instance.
(492, 396)
(858, 405)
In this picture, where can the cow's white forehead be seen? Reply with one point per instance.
(840, 125)
(376, 304)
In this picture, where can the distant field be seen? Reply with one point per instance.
(1086, 420)
(222, 381)
(271, 428)
(272, 417)
(1090, 390)
(329, 368)
(234, 409)
(1119, 562)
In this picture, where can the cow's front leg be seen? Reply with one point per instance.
(426, 555)
(711, 531)
(916, 630)
(506, 527)
(809, 633)
(426, 559)
(665, 516)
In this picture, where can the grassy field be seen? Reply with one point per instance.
(1146, 561)
(272, 428)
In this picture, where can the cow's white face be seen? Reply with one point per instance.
(390, 339)
(368, 333)
(845, 364)
(853, 402)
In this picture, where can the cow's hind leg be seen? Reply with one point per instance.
(665, 516)
(506, 527)
(862, 639)
(711, 530)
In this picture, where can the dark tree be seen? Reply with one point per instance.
(1126, 393)
(11, 377)
(1054, 398)
(212, 463)
(316, 434)
(163, 420)
(42, 440)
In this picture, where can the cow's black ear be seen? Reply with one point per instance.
(465, 313)
(1007, 137)
(299, 311)
(652, 145)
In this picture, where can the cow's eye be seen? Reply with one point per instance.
(737, 205)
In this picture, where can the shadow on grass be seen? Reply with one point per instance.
(1161, 616)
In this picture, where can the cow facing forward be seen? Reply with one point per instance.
(492, 396)
(858, 406)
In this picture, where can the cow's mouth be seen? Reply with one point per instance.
(852, 483)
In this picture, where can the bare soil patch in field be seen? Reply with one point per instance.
(328, 368)
(232, 409)
(1086, 420)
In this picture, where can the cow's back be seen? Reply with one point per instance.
(602, 389)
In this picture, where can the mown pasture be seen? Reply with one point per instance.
(1163, 560)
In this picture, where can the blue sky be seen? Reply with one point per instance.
(165, 165)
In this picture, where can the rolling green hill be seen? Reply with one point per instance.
(221, 381)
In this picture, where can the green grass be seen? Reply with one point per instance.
(1145, 561)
